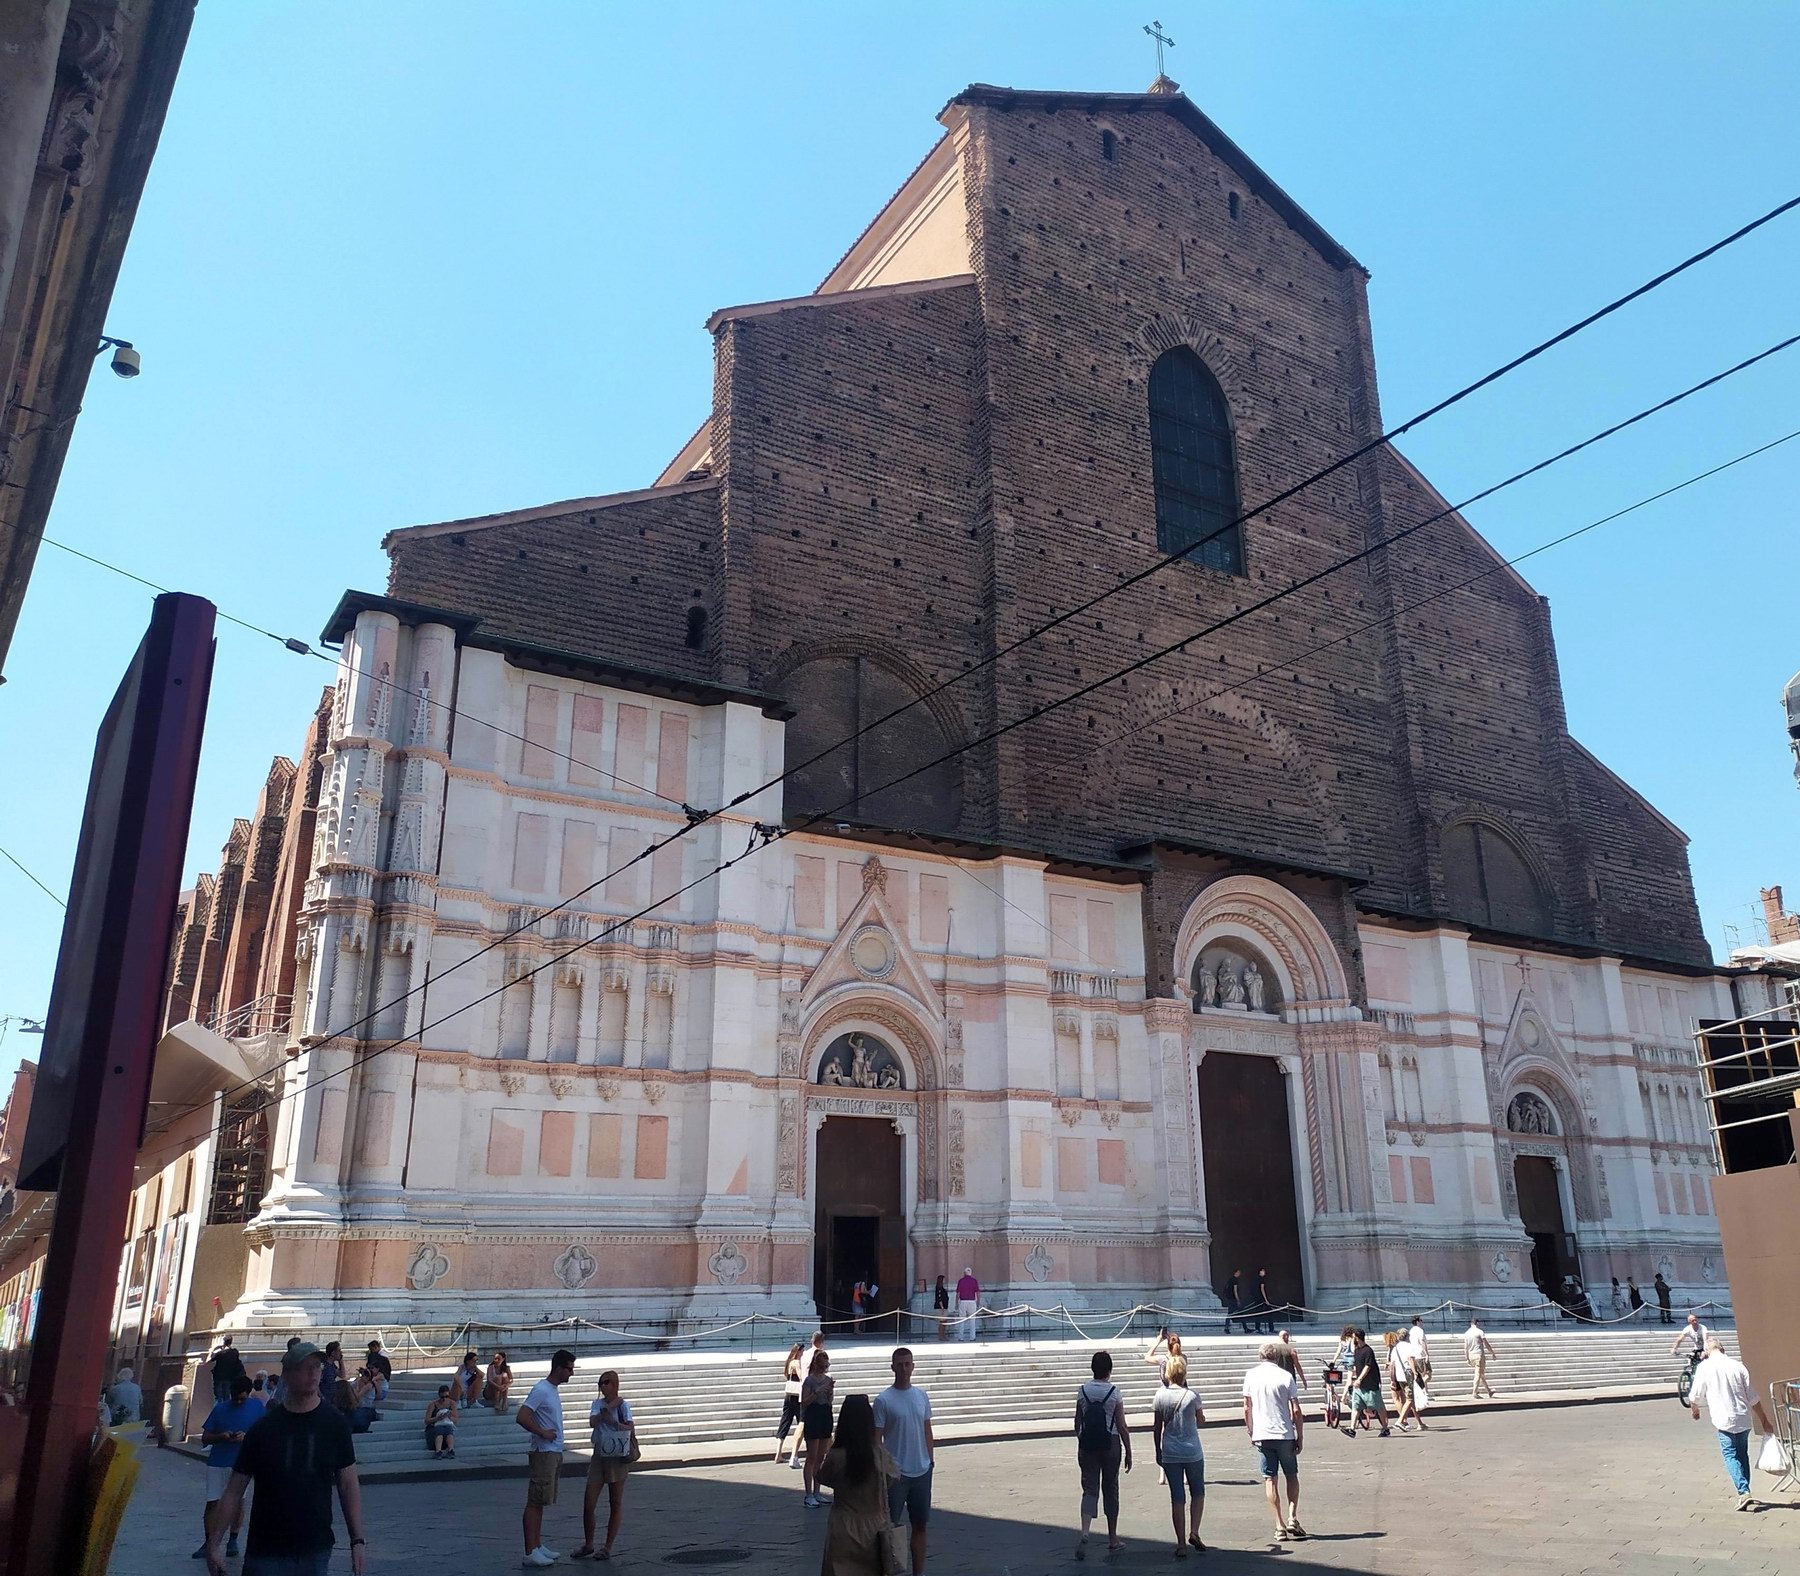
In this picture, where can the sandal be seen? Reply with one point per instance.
(585, 1552)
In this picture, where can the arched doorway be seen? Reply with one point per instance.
(859, 1225)
(1247, 1154)
(1541, 1214)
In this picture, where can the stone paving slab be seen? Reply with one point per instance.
(1629, 1487)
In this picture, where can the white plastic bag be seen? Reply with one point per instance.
(1421, 1397)
(1771, 1458)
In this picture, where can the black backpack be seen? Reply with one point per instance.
(1094, 1436)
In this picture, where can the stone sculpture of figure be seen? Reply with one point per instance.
(890, 1077)
(1231, 988)
(862, 1069)
(1253, 986)
(1209, 988)
(832, 1072)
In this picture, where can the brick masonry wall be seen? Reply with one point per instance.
(917, 479)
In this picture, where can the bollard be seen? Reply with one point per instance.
(174, 1412)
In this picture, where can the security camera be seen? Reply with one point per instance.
(126, 362)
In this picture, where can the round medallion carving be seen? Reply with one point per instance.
(872, 953)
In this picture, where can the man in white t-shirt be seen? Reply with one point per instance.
(1691, 1342)
(1722, 1383)
(542, 1417)
(903, 1425)
(1477, 1348)
(1277, 1429)
(1421, 1349)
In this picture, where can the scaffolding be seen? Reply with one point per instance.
(1750, 1075)
(241, 1165)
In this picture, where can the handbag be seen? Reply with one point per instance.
(1421, 1395)
(1771, 1458)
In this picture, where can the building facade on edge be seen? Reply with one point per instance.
(1317, 946)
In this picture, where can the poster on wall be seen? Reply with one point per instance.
(168, 1282)
(31, 1318)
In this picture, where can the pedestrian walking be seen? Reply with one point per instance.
(1234, 1302)
(1165, 1347)
(1477, 1348)
(816, 1391)
(542, 1418)
(295, 1454)
(859, 1473)
(1421, 1350)
(1265, 1304)
(1365, 1383)
(1337, 1379)
(1633, 1295)
(1618, 1299)
(1400, 1375)
(1722, 1384)
(968, 1299)
(615, 1447)
(790, 1403)
(1176, 1417)
(940, 1296)
(1663, 1313)
(1291, 1359)
(440, 1425)
(902, 1415)
(1278, 1430)
(1102, 1443)
(231, 1418)
(124, 1398)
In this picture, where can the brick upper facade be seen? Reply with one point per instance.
(900, 481)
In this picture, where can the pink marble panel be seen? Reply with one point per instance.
(605, 1134)
(584, 741)
(809, 891)
(1397, 1177)
(577, 857)
(666, 877)
(1702, 1186)
(328, 1137)
(1484, 1181)
(934, 911)
(1111, 1161)
(652, 1158)
(1102, 937)
(1678, 1193)
(1063, 940)
(1422, 1190)
(556, 1143)
(531, 852)
(537, 756)
(625, 871)
(628, 747)
(849, 888)
(740, 1178)
(1071, 1165)
(1031, 1160)
(506, 1145)
(1662, 1192)
(378, 1128)
(672, 756)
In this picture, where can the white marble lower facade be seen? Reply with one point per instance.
(617, 1111)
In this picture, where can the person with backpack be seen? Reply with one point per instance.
(1102, 1443)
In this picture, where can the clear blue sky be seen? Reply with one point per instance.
(406, 262)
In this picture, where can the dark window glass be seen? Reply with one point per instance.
(1192, 461)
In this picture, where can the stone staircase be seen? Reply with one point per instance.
(724, 1405)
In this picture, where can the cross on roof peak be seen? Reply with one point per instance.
(1164, 83)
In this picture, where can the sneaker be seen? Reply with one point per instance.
(796, 1463)
(538, 1558)
(1349, 1433)
(1745, 1502)
(809, 1500)
(551, 1552)
(1295, 1530)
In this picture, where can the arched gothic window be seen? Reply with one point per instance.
(1193, 463)
(1489, 883)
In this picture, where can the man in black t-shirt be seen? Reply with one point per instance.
(1365, 1384)
(227, 1365)
(295, 1455)
(378, 1359)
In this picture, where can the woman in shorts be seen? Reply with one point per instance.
(815, 1421)
(613, 1445)
(440, 1425)
(499, 1381)
(1175, 1426)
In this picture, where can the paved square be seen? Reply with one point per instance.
(1634, 1487)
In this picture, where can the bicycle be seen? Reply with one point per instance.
(1684, 1381)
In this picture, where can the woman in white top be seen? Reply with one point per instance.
(1177, 1417)
(1163, 1351)
(1400, 1370)
(790, 1403)
(614, 1444)
(465, 1383)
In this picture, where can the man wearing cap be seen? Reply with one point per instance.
(294, 1455)
(968, 1299)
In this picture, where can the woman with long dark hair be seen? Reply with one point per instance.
(858, 1470)
(790, 1402)
(815, 1421)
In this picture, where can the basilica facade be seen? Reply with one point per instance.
(1316, 946)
